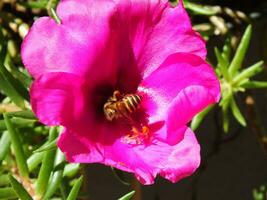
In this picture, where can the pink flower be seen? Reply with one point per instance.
(144, 49)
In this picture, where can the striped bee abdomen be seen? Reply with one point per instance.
(131, 102)
(119, 106)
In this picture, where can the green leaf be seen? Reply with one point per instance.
(127, 196)
(71, 169)
(222, 64)
(47, 166)
(225, 111)
(26, 114)
(4, 180)
(34, 160)
(3, 46)
(18, 123)
(63, 190)
(15, 83)
(226, 96)
(17, 146)
(236, 112)
(4, 145)
(41, 4)
(199, 118)
(240, 52)
(226, 54)
(7, 193)
(248, 72)
(47, 146)
(10, 86)
(8, 89)
(201, 10)
(254, 84)
(55, 16)
(19, 189)
(56, 176)
(19, 74)
(75, 189)
(61, 165)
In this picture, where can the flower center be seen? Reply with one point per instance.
(137, 135)
(121, 106)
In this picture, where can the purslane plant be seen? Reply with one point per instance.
(123, 78)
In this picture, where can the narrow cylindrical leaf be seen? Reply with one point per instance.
(8, 89)
(248, 72)
(17, 86)
(56, 176)
(34, 160)
(55, 16)
(236, 112)
(3, 46)
(15, 83)
(71, 169)
(17, 146)
(35, 4)
(4, 145)
(254, 84)
(75, 189)
(226, 53)
(47, 166)
(63, 190)
(18, 123)
(51, 145)
(222, 64)
(26, 114)
(2, 125)
(7, 193)
(127, 196)
(4, 179)
(19, 189)
(225, 111)
(23, 77)
(201, 10)
(199, 118)
(240, 52)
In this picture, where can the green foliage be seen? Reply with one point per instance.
(17, 147)
(28, 149)
(128, 196)
(47, 166)
(7, 193)
(31, 165)
(234, 79)
(75, 189)
(19, 189)
(260, 194)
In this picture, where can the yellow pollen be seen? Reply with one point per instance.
(137, 136)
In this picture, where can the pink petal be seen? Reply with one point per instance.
(59, 99)
(185, 106)
(180, 88)
(173, 162)
(79, 151)
(85, 44)
(156, 30)
(72, 46)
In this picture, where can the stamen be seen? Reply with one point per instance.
(137, 136)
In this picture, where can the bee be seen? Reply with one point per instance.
(119, 106)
